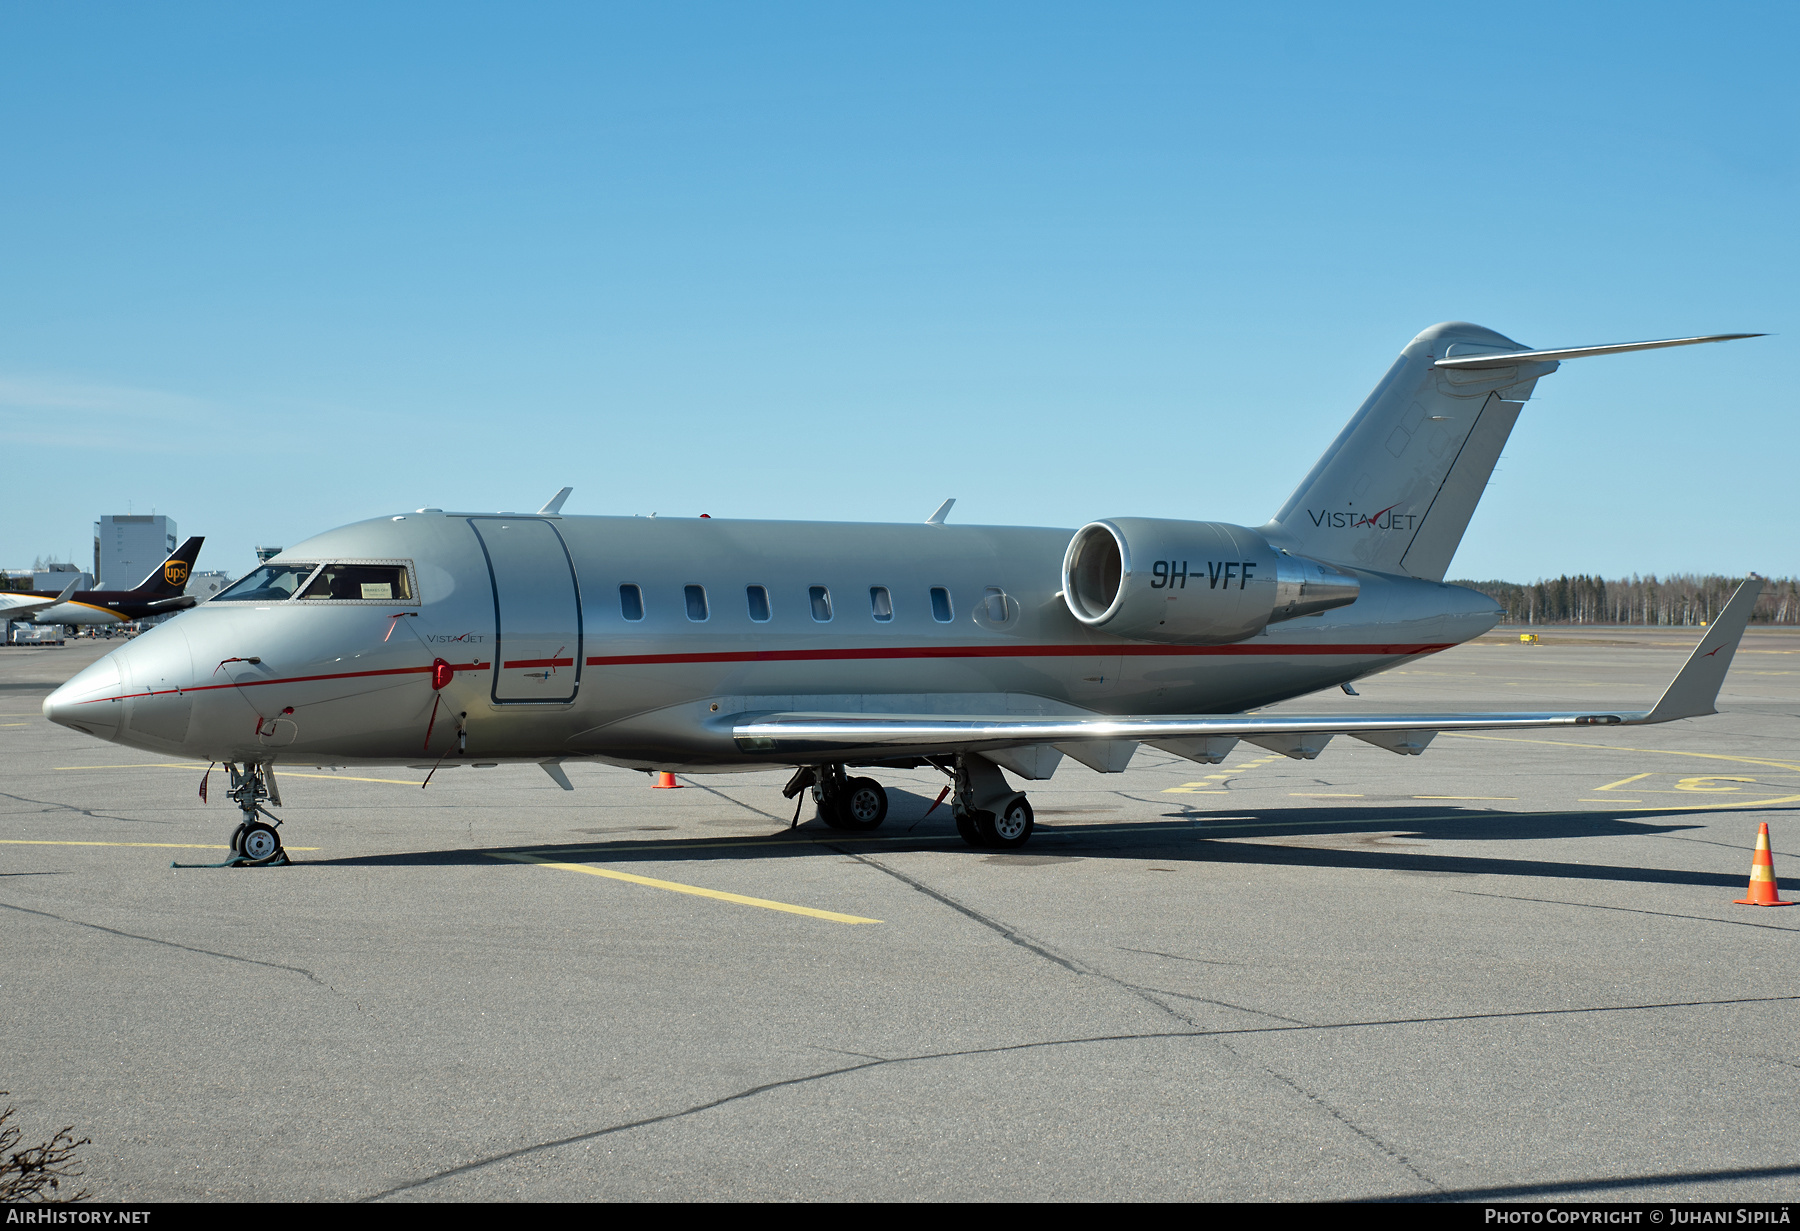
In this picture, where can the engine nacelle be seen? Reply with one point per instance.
(1193, 582)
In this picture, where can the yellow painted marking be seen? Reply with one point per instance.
(695, 890)
(1693, 784)
(347, 778)
(1621, 782)
(186, 846)
(1465, 797)
(1711, 805)
(1614, 800)
(14, 724)
(1323, 795)
(1661, 752)
(285, 773)
(152, 765)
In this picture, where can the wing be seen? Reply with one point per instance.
(1692, 693)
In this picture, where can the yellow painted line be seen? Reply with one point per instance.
(1324, 795)
(1500, 797)
(151, 765)
(695, 890)
(14, 724)
(347, 778)
(1614, 800)
(1661, 752)
(185, 846)
(284, 773)
(1621, 782)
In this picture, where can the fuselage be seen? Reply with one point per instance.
(630, 640)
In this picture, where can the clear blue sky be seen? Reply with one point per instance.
(273, 268)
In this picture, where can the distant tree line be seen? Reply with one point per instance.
(1684, 598)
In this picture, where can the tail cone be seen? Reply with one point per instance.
(1762, 874)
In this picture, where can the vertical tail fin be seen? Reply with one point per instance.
(1396, 489)
(170, 577)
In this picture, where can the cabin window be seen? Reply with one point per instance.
(821, 604)
(272, 583)
(631, 602)
(940, 605)
(696, 603)
(383, 583)
(881, 603)
(995, 602)
(758, 598)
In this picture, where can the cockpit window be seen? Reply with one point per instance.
(272, 583)
(372, 582)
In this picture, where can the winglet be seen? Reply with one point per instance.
(1696, 687)
(943, 511)
(554, 505)
(557, 773)
(67, 590)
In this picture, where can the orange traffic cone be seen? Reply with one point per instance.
(1762, 874)
(665, 781)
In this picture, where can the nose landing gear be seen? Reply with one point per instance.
(255, 843)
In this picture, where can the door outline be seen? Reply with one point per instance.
(500, 628)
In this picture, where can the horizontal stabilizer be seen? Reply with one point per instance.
(1507, 359)
(20, 606)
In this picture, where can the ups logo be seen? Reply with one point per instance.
(175, 572)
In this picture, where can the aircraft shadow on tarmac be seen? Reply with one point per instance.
(1370, 838)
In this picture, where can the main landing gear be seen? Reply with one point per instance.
(843, 802)
(988, 812)
(255, 843)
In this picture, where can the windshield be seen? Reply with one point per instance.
(383, 582)
(272, 583)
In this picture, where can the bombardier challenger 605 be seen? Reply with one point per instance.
(838, 649)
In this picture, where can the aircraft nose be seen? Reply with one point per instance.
(90, 701)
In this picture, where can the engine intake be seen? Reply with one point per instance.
(1200, 583)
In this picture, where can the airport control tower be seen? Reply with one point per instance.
(128, 546)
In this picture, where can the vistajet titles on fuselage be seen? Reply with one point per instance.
(437, 638)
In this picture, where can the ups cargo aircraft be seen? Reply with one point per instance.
(157, 594)
(435, 638)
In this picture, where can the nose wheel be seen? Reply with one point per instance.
(255, 843)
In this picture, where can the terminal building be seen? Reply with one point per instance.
(127, 547)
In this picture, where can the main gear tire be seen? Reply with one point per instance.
(1008, 829)
(863, 805)
(969, 826)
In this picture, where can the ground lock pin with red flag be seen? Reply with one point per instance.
(1762, 874)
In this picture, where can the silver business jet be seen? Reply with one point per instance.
(712, 645)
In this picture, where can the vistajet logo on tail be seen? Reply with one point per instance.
(1349, 519)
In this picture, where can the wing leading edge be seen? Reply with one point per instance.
(1693, 692)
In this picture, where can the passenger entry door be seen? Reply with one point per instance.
(537, 609)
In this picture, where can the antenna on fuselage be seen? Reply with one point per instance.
(943, 511)
(554, 506)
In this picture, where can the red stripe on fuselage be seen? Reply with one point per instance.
(865, 654)
(290, 679)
